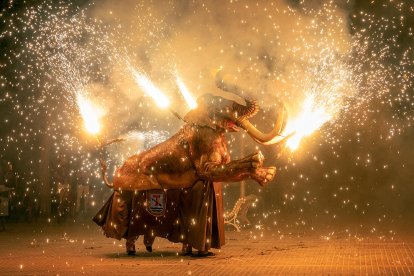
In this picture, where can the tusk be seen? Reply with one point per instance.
(272, 137)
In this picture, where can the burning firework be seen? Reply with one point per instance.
(311, 118)
(150, 89)
(91, 114)
(186, 94)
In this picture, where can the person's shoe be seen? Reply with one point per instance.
(203, 254)
(130, 249)
(131, 252)
(148, 248)
(186, 250)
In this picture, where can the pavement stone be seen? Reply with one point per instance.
(70, 249)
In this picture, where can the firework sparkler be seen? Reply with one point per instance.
(150, 89)
(310, 119)
(91, 114)
(186, 94)
(159, 96)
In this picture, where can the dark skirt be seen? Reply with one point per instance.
(193, 216)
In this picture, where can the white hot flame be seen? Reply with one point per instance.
(309, 120)
(91, 114)
(186, 94)
(150, 89)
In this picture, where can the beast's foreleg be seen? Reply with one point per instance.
(249, 167)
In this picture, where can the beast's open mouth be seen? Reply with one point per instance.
(232, 126)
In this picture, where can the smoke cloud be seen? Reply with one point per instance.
(272, 51)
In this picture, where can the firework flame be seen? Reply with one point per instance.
(186, 94)
(309, 120)
(91, 114)
(150, 89)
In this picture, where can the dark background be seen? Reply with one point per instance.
(357, 173)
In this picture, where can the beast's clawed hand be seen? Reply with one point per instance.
(256, 159)
(264, 175)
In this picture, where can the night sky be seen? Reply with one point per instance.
(354, 59)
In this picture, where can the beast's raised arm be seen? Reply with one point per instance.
(211, 160)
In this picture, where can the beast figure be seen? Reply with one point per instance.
(199, 152)
(188, 169)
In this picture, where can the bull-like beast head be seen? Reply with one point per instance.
(230, 112)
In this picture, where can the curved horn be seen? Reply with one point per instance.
(104, 176)
(273, 136)
(232, 90)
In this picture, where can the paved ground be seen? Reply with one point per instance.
(42, 249)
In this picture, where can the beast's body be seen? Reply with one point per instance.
(195, 158)
(177, 162)
(198, 151)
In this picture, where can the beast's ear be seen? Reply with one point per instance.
(199, 117)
